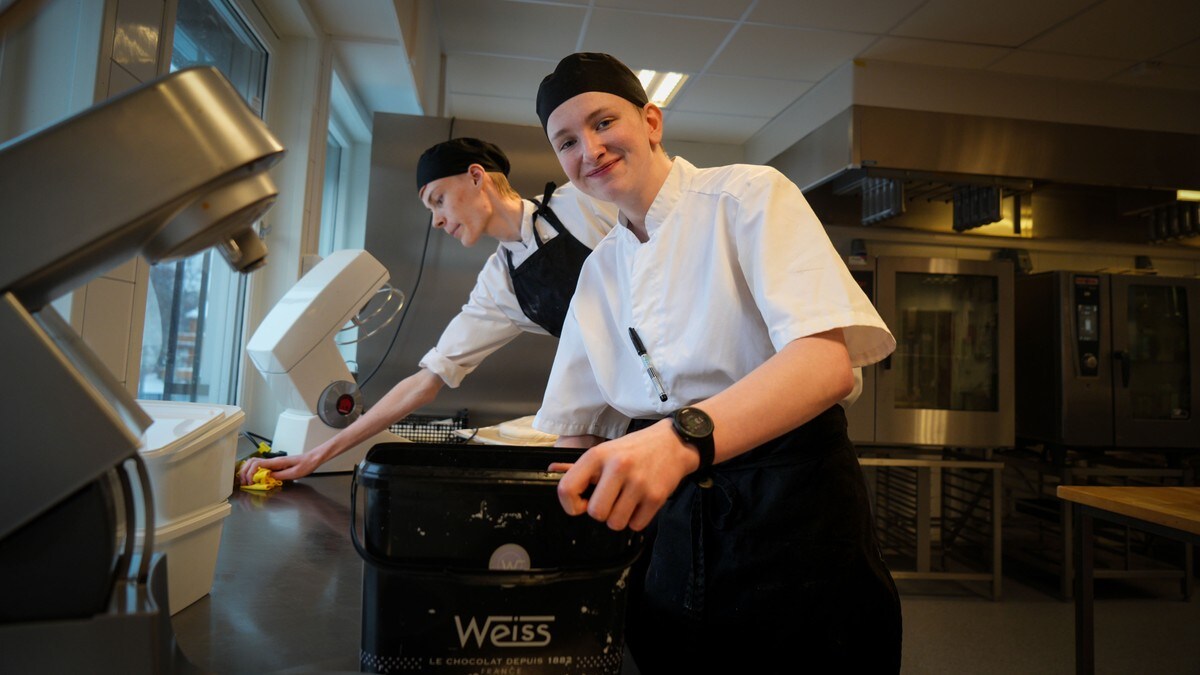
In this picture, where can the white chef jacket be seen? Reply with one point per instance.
(492, 316)
(736, 267)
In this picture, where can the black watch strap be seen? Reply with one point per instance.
(707, 450)
(695, 427)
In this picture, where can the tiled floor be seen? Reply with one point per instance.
(287, 599)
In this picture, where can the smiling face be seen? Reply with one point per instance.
(459, 205)
(610, 149)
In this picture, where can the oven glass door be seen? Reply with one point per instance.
(949, 381)
(1154, 373)
(949, 357)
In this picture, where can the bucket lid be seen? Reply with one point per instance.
(177, 424)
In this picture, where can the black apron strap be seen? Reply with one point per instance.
(543, 209)
(546, 280)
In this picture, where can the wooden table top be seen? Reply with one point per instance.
(1174, 507)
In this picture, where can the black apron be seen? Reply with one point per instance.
(545, 282)
(774, 569)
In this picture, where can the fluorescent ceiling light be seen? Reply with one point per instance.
(1187, 195)
(661, 87)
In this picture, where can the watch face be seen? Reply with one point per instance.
(695, 422)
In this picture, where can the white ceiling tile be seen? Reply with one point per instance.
(497, 51)
(495, 76)
(864, 16)
(715, 9)
(381, 76)
(492, 109)
(934, 52)
(716, 94)
(1187, 55)
(1164, 75)
(511, 28)
(1010, 23)
(1063, 66)
(654, 41)
(371, 19)
(787, 53)
(688, 126)
(1125, 29)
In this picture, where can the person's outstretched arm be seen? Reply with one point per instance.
(413, 392)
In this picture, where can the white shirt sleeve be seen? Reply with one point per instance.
(491, 319)
(798, 281)
(573, 403)
(493, 315)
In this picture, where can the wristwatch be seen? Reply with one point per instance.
(694, 426)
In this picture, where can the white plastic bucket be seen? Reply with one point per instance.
(191, 546)
(190, 451)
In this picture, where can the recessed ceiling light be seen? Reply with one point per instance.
(661, 87)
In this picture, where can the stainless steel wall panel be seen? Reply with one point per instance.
(511, 383)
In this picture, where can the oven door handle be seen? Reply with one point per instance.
(1126, 364)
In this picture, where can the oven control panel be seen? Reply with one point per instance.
(1087, 323)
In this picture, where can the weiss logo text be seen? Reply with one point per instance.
(505, 631)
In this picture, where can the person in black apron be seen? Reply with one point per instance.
(464, 184)
(738, 539)
(765, 558)
(545, 282)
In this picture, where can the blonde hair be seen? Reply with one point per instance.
(502, 185)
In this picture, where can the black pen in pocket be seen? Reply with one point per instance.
(641, 351)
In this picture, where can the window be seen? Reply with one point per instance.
(191, 347)
(331, 196)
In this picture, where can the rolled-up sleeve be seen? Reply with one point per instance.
(491, 319)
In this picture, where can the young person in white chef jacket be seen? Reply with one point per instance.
(525, 286)
(735, 447)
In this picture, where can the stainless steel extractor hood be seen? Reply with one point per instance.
(891, 157)
(972, 149)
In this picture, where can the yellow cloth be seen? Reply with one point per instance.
(263, 481)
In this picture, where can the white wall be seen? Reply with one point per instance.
(299, 75)
(48, 64)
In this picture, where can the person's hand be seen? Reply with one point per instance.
(287, 467)
(633, 477)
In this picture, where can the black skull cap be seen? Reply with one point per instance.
(583, 72)
(455, 156)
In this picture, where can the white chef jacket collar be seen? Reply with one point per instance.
(517, 247)
(678, 178)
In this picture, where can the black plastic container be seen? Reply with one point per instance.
(473, 567)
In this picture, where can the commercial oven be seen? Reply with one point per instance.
(949, 383)
(1108, 360)
(860, 417)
